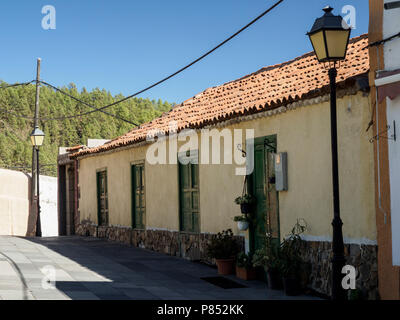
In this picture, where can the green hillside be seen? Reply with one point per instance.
(15, 147)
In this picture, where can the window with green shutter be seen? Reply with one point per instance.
(138, 197)
(189, 197)
(102, 198)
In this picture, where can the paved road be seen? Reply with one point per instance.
(92, 269)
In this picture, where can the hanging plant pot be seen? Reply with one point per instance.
(246, 208)
(243, 225)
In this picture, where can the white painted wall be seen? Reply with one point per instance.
(14, 204)
(48, 206)
(391, 26)
(393, 113)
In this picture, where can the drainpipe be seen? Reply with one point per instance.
(377, 143)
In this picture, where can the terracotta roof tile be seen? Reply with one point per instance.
(75, 148)
(268, 88)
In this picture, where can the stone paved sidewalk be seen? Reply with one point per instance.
(92, 269)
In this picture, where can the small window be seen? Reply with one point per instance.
(102, 198)
(138, 197)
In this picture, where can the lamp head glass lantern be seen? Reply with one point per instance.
(329, 37)
(37, 137)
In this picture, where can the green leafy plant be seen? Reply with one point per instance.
(356, 294)
(243, 217)
(292, 263)
(223, 245)
(246, 198)
(259, 258)
(268, 256)
(244, 260)
(15, 145)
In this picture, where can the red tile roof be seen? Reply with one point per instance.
(75, 148)
(270, 87)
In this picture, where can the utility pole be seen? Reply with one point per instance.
(35, 176)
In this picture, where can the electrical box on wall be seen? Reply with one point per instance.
(280, 165)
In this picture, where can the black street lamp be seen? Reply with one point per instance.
(37, 137)
(330, 36)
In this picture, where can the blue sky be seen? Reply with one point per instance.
(123, 45)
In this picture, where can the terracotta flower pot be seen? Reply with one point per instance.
(246, 274)
(225, 266)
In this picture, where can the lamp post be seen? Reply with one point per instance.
(330, 36)
(37, 137)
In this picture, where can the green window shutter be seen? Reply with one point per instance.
(98, 198)
(138, 196)
(102, 198)
(189, 197)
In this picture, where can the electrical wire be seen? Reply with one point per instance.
(17, 84)
(29, 166)
(379, 42)
(3, 110)
(101, 109)
(182, 69)
(83, 102)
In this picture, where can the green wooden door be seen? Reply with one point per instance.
(259, 179)
(138, 197)
(263, 189)
(102, 198)
(189, 197)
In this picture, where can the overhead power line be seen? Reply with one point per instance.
(182, 69)
(17, 84)
(83, 102)
(101, 109)
(379, 42)
(3, 110)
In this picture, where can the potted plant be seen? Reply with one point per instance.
(292, 263)
(246, 202)
(356, 294)
(244, 267)
(259, 262)
(269, 258)
(223, 247)
(243, 222)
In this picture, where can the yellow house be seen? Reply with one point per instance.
(170, 184)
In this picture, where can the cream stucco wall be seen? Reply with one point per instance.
(161, 187)
(304, 133)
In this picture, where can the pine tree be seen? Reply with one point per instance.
(15, 146)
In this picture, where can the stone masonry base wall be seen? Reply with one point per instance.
(363, 257)
(317, 254)
(186, 245)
